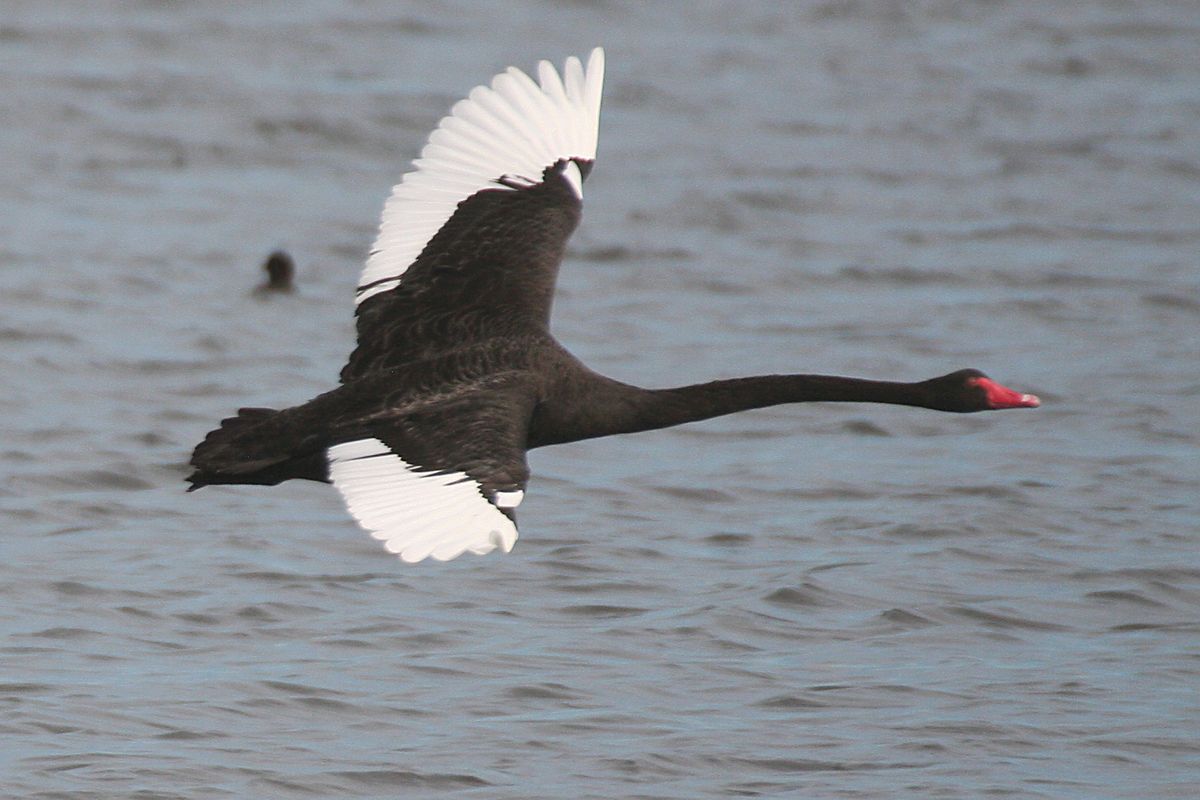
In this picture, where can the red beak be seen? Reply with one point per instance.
(1002, 397)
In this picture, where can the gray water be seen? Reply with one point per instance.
(819, 602)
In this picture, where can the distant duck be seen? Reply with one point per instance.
(456, 374)
(281, 273)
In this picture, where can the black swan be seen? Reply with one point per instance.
(456, 375)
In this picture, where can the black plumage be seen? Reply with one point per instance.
(456, 375)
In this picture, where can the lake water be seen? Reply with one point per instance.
(819, 602)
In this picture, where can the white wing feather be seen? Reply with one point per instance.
(513, 128)
(417, 514)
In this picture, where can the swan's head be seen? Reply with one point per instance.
(970, 390)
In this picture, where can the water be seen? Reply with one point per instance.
(818, 601)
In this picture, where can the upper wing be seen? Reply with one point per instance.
(472, 237)
(441, 480)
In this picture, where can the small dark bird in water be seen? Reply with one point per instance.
(456, 374)
(281, 273)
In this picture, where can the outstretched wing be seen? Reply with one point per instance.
(470, 241)
(440, 480)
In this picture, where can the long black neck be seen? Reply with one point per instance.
(609, 407)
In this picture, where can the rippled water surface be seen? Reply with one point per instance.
(822, 601)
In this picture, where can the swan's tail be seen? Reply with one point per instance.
(252, 448)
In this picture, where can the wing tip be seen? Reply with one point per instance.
(374, 483)
(499, 132)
